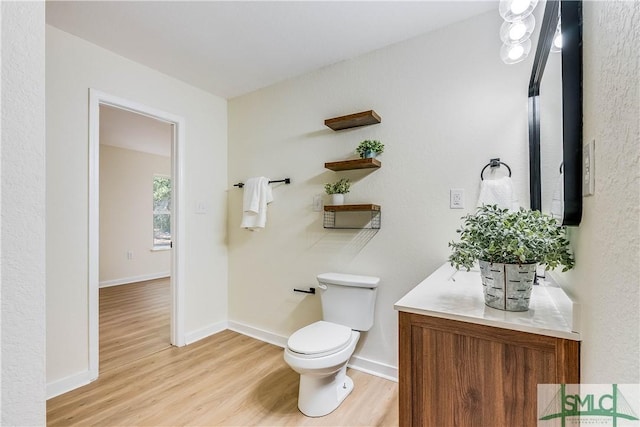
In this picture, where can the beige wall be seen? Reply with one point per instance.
(72, 67)
(606, 279)
(126, 216)
(448, 104)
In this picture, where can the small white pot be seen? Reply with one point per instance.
(337, 199)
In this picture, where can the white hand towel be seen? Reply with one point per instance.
(557, 201)
(498, 192)
(257, 194)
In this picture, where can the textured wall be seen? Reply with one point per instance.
(446, 109)
(606, 279)
(23, 215)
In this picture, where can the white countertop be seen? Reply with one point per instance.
(457, 295)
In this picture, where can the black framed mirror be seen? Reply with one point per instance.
(555, 115)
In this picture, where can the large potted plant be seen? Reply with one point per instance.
(337, 190)
(509, 245)
(369, 149)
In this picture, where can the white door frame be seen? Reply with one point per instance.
(97, 98)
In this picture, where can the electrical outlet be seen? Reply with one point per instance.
(588, 168)
(456, 198)
(201, 207)
(129, 254)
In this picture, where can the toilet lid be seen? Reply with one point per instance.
(320, 337)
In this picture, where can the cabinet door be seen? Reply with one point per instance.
(461, 374)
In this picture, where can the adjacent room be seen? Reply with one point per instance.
(319, 213)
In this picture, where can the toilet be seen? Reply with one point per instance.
(320, 351)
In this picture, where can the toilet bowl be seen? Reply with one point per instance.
(319, 352)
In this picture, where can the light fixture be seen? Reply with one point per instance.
(556, 44)
(516, 10)
(514, 53)
(517, 31)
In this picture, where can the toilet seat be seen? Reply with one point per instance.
(319, 339)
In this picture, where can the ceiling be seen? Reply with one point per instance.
(133, 131)
(230, 48)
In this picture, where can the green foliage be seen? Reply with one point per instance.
(523, 237)
(161, 210)
(368, 145)
(340, 187)
(161, 190)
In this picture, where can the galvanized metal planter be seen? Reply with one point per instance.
(507, 286)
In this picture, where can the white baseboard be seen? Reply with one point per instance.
(369, 366)
(259, 334)
(359, 363)
(134, 279)
(207, 331)
(372, 367)
(63, 385)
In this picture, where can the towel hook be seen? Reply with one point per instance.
(494, 163)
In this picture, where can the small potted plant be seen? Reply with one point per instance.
(369, 149)
(509, 245)
(337, 190)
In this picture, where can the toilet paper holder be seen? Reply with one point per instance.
(310, 291)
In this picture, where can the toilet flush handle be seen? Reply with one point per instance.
(322, 286)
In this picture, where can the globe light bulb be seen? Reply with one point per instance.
(518, 31)
(556, 44)
(516, 10)
(519, 6)
(514, 53)
(557, 41)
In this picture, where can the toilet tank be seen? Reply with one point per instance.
(348, 299)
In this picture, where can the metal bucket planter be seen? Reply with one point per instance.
(507, 286)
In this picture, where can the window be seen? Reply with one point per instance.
(161, 212)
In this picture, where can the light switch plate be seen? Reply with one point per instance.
(588, 168)
(456, 198)
(317, 203)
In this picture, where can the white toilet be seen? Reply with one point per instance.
(319, 352)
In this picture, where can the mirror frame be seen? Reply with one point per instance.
(571, 12)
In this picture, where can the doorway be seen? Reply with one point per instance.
(135, 236)
(100, 102)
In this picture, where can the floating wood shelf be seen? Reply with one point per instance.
(353, 120)
(360, 220)
(353, 164)
(352, 208)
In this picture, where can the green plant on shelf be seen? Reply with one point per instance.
(340, 187)
(370, 148)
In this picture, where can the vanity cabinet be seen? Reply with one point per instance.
(457, 373)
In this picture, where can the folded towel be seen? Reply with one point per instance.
(257, 194)
(557, 201)
(498, 192)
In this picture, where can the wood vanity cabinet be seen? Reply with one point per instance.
(455, 373)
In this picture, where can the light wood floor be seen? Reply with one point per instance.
(134, 321)
(226, 379)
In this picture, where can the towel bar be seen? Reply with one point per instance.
(286, 181)
(494, 163)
